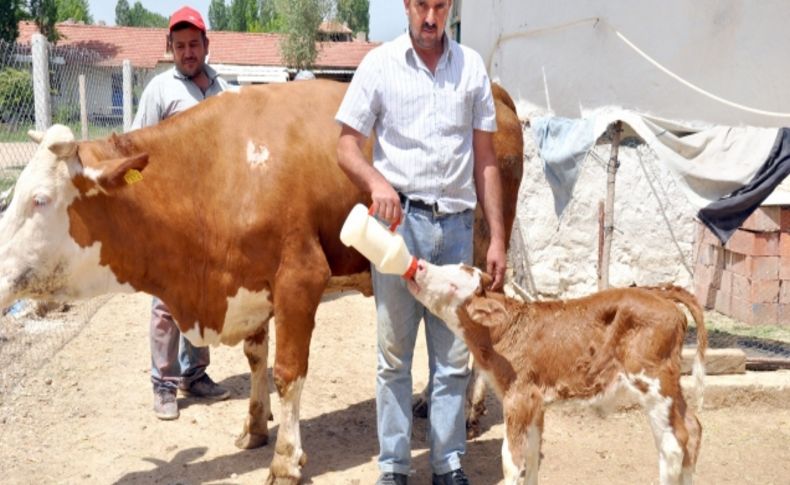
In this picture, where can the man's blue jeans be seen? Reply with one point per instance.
(441, 239)
(174, 360)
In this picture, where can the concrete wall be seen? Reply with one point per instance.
(557, 256)
(568, 52)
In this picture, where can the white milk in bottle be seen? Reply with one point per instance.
(384, 248)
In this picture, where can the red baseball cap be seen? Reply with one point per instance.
(188, 15)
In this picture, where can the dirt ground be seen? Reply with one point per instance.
(85, 416)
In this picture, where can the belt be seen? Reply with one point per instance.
(420, 205)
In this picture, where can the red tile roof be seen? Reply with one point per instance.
(145, 47)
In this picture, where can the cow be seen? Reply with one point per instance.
(591, 348)
(229, 212)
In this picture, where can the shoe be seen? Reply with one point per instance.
(390, 478)
(455, 477)
(205, 388)
(165, 405)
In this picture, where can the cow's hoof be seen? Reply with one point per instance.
(419, 408)
(272, 480)
(472, 429)
(248, 441)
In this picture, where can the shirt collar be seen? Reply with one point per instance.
(210, 73)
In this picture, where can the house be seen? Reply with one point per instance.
(99, 51)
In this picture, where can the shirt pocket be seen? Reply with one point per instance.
(456, 109)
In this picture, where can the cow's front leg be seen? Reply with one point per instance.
(256, 431)
(297, 293)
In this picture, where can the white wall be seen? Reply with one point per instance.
(734, 49)
(557, 55)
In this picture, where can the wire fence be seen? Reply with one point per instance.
(73, 86)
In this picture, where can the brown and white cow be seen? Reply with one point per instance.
(230, 212)
(588, 348)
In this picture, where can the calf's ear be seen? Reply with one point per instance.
(487, 311)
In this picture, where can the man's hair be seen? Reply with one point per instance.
(182, 26)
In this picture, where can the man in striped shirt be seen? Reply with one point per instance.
(429, 100)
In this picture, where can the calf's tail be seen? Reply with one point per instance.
(680, 295)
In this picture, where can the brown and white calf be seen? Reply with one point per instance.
(588, 348)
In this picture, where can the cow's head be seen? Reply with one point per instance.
(456, 293)
(39, 257)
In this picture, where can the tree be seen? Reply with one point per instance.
(301, 19)
(123, 15)
(45, 13)
(218, 15)
(270, 18)
(355, 13)
(77, 10)
(142, 17)
(10, 14)
(137, 16)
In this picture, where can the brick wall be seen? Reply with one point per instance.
(749, 277)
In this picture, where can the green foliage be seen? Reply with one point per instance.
(271, 20)
(355, 13)
(137, 16)
(123, 15)
(10, 14)
(218, 15)
(16, 94)
(301, 19)
(77, 10)
(45, 13)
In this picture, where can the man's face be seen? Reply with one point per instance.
(189, 50)
(427, 19)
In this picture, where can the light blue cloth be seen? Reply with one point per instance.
(439, 240)
(563, 145)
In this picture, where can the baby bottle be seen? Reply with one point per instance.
(384, 248)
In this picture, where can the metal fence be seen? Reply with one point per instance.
(42, 84)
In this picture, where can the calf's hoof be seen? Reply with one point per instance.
(248, 441)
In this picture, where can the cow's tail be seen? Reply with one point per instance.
(680, 295)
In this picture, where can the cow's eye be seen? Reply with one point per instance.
(40, 200)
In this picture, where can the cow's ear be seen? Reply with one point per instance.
(63, 149)
(118, 172)
(487, 311)
(36, 136)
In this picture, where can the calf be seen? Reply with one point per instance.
(588, 348)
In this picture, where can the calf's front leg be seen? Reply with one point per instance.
(523, 410)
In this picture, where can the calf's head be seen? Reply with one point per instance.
(39, 257)
(456, 293)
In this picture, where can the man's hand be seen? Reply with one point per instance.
(386, 202)
(496, 264)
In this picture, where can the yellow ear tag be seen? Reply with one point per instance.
(132, 176)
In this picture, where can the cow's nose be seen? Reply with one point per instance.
(421, 266)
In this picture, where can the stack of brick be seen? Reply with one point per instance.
(747, 279)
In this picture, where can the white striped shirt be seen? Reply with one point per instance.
(424, 122)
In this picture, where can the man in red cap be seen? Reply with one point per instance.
(175, 362)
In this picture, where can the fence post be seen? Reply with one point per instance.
(41, 95)
(127, 95)
(83, 108)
